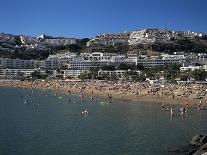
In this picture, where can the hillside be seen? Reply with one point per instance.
(148, 40)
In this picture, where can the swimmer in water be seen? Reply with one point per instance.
(171, 111)
(163, 106)
(81, 96)
(183, 110)
(92, 98)
(85, 112)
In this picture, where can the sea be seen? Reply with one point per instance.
(37, 122)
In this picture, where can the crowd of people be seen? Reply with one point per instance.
(191, 94)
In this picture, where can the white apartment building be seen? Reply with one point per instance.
(132, 55)
(132, 60)
(18, 63)
(111, 55)
(29, 64)
(63, 60)
(95, 60)
(177, 57)
(118, 59)
(50, 64)
(15, 73)
(154, 63)
(85, 55)
(192, 68)
(86, 64)
(67, 55)
(98, 56)
(73, 73)
(61, 41)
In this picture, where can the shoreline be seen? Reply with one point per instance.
(90, 89)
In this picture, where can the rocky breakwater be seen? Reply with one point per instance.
(199, 144)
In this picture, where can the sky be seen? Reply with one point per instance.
(88, 18)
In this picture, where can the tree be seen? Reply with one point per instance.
(64, 67)
(199, 75)
(94, 72)
(139, 78)
(124, 66)
(82, 42)
(38, 75)
(150, 73)
(140, 67)
(59, 76)
(20, 75)
(85, 75)
(108, 67)
(171, 71)
(113, 77)
(103, 77)
(133, 75)
(184, 76)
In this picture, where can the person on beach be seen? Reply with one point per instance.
(186, 104)
(158, 96)
(200, 105)
(137, 93)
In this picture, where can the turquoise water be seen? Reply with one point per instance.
(51, 125)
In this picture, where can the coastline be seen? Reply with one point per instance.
(90, 89)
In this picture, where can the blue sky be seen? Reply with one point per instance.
(88, 18)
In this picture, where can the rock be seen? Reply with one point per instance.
(198, 140)
(202, 150)
(204, 139)
(198, 146)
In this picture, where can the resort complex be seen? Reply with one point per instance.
(72, 65)
(166, 69)
(110, 77)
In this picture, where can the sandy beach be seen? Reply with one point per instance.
(163, 94)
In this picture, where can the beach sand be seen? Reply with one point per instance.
(138, 92)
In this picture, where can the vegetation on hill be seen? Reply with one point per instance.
(196, 45)
(121, 49)
(76, 48)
